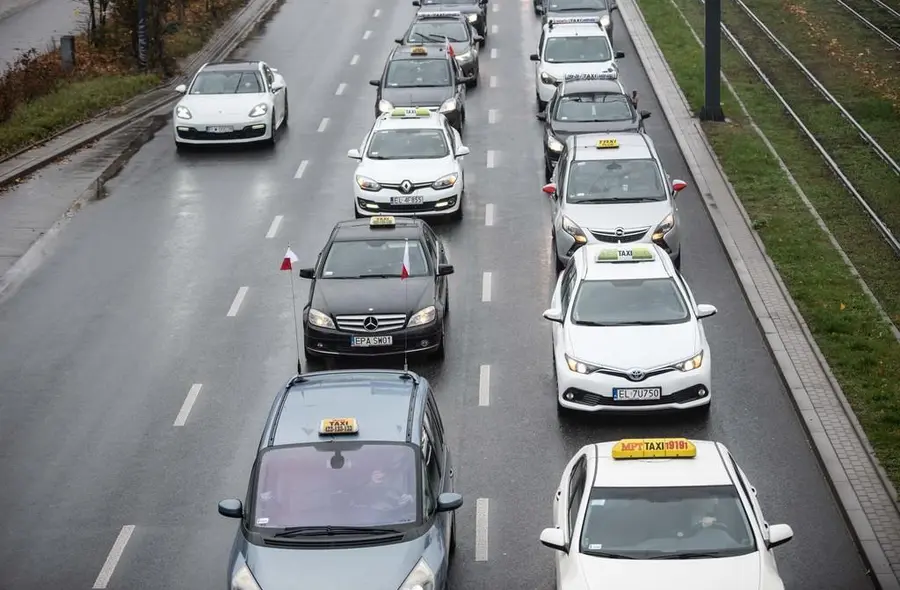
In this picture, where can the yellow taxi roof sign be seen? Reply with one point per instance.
(335, 426)
(623, 254)
(607, 144)
(382, 221)
(407, 112)
(419, 50)
(654, 448)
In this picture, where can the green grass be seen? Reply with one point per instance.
(858, 345)
(71, 103)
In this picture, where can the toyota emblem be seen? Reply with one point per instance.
(370, 323)
(620, 231)
(406, 187)
(635, 374)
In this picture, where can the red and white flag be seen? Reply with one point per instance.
(289, 259)
(404, 272)
(449, 47)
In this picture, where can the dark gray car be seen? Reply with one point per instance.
(475, 11)
(352, 487)
(601, 9)
(440, 28)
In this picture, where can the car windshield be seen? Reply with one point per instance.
(429, 32)
(408, 144)
(228, 82)
(337, 484)
(418, 73)
(629, 302)
(574, 50)
(373, 258)
(593, 181)
(582, 5)
(668, 522)
(593, 107)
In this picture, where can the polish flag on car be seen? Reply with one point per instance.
(449, 47)
(289, 259)
(404, 271)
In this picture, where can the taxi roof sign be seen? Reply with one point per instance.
(607, 144)
(654, 448)
(632, 254)
(418, 50)
(597, 76)
(334, 426)
(441, 14)
(382, 221)
(572, 20)
(410, 112)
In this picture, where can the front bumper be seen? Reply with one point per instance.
(469, 67)
(436, 202)
(336, 343)
(566, 245)
(195, 132)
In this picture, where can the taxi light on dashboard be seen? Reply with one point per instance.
(418, 51)
(607, 144)
(654, 448)
(382, 221)
(635, 254)
(333, 426)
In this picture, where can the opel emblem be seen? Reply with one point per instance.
(620, 231)
(634, 374)
(371, 324)
(406, 187)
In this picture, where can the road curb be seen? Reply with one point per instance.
(663, 81)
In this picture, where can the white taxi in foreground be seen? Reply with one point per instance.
(627, 334)
(410, 163)
(674, 513)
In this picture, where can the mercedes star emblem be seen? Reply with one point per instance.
(620, 231)
(405, 186)
(370, 323)
(635, 374)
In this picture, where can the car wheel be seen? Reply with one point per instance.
(180, 147)
(559, 264)
(474, 82)
(439, 353)
(541, 105)
(274, 139)
(452, 547)
(458, 214)
(287, 110)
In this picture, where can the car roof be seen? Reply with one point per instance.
(574, 30)
(591, 270)
(385, 404)
(433, 51)
(707, 468)
(580, 86)
(432, 121)
(632, 146)
(231, 65)
(359, 229)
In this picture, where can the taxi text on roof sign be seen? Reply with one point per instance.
(382, 221)
(654, 448)
(599, 76)
(418, 50)
(569, 20)
(633, 254)
(331, 426)
(410, 112)
(607, 144)
(443, 14)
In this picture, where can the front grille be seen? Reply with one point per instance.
(425, 207)
(625, 375)
(396, 185)
(611, 236)
(592, 399)
(356, 323)
(247, 132)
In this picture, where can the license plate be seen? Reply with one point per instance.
(410, 200)
(646, 393)
(220, 129)
(365, 341)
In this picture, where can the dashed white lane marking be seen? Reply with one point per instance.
(489, 214)
(494, 29)
(236, 304)
(493, 53)
(486, 288)
(484, 386)
(273, 229)
(492, 116)
(496, 8)
(366, 35)
(340, 89)
(481, 529)
(491, 157)
(115, 554)
(376, 13)
(185, 410)
(354, 60)
(493, 81)
(301, 169)
(323, 125)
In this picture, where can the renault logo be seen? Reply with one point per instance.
(620, 231)
(635, 374)
(371, 324)
(406, 187)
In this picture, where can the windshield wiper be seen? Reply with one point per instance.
(590, 201)
(609, 555)
(379, 276)
(687, 555)
(327, 531)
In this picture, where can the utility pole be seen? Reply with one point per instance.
(142, 32)
(712, 106)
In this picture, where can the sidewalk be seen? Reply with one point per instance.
(27, 24)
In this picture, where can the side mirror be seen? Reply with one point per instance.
(645, 115)
(613, 6)
(779, 534)
(307, 273)
(399, 40)
(417, 3)
(620, 54)
(542, 116)
(181, 89)
(233, 508)
(554, 539)
(479, 39)
(278, 85)
(534, 57)
(462, 151)
(444, 270)
(705, 310)
(449, 501)
(554, 315)
(678, 186)
(550, 189)
(354, 154)
(375, 83)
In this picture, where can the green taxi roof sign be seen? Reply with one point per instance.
(410, 112)
(632, 254)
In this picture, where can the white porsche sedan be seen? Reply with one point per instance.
(231, 102)
(671, 513)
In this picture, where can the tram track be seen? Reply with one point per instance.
(867, 15)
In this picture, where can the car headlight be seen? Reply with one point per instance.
(449, 105)
(445, 182)
(571, 228)
(182, 112)
(317, 318)
(420, 578)
(472, 18)
(604, 20)
(695, 362)
(664, 227)
(244, 580)
(367, 184)
(384, 106)
(582, 368)
(464, 57)
(259, 110)
(547, 78)
(553, 144)
(422, 317)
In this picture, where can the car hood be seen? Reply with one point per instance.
(232, 105)
(563, 129)
(448, 7)
(415, 171)
(734, 573)
(391, 295)
(613, 215)
(417, 97)
(617, 347)
(383, 567)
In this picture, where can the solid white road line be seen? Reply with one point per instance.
(236, 304)
(491, 157)
(323, 125)
(340, 89)
(301, 169)
(493, 81)
(115, 554)
(493, 53)
(484, 386)
(376, 13)
(494, 29)
(185, 410)
(486, 288)
(366, 35)
(492, 116)
(354, 60)
(496, 8)
(481, 529)
(273, 229)
(489, 214)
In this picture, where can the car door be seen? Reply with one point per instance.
(440, 282)
(277, 96)
(433, 450)
(568, 280)
(460, 85)
(569, 500)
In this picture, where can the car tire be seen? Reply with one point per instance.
(541, 105)
(474, 82)
(452, 547)
(440, 352)
(180, 147)
(287, 110)
(559, 264)
(274, 139)
(458, 214)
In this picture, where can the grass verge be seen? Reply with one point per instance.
(857, 344)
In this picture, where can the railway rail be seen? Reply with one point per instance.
(872, 26)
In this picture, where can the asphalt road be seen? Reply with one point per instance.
(101, 346)
(36, 24)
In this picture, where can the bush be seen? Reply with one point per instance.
(31, 76)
